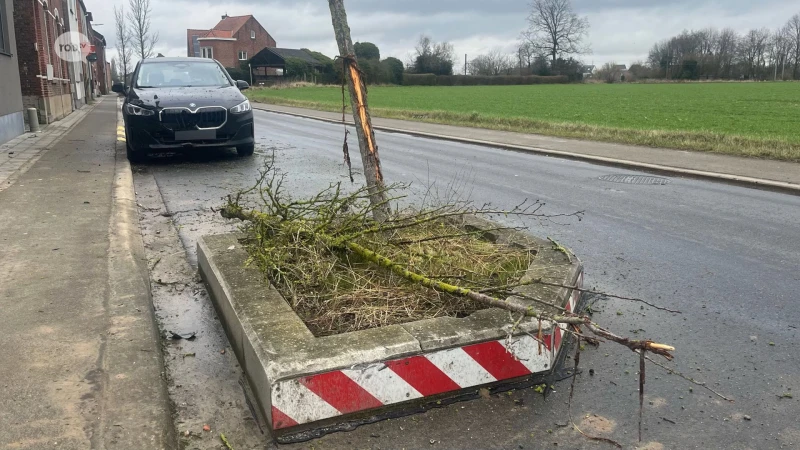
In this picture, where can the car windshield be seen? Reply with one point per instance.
(181, 74)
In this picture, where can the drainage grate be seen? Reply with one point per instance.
(635, 179)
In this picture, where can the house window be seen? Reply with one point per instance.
(252, 34)
(242, 56)
(207, 52)
(5, 45)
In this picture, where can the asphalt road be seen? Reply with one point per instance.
(726, 256)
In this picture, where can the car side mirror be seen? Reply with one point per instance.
(119, 88)
(242, 85)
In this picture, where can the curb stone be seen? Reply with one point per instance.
(308, 386)
(139, 401)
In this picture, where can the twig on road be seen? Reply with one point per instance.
(703, 385)
(582, 290)
(225, 441)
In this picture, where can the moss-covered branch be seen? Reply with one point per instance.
(529, 311)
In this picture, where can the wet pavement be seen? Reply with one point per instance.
(726, 256)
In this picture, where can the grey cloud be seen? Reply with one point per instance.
(623, 30)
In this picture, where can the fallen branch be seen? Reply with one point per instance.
(689, 379)
(642, 356)
(386, 261)
(579, 289)
(225, 441)
(231, 212)
(450, 236)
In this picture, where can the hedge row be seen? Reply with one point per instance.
(429, 79)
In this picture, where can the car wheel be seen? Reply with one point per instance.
(246, 150)
(134, 156)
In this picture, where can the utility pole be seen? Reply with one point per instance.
(361, 116)
(465, 63)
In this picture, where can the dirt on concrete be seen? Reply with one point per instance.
(206, 384)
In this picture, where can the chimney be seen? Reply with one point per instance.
(224, 16)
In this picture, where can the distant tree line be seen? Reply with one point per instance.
(759, 54)
(549, 46)
(554, 40)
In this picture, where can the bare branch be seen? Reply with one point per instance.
(689, 379)
(555, 29)
(139, 18)
(508, 288)
(123, 36)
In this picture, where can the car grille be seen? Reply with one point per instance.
(181, 119)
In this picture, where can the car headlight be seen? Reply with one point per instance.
(134, 110)
(241, 107)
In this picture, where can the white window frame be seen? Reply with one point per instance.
(242, 55)
(207, 52)
(252, 34)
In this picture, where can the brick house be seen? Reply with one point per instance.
(232, 41)
(44, 77)
(100, 71)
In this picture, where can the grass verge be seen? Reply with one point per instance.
(773, 145)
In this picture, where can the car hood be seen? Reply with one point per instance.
(227, 97)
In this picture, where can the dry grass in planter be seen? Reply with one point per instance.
(301, 246)
(338, 292)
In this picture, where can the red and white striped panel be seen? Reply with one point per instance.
(560, 330)
(323, 396)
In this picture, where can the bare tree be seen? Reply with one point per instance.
(780, 47)
(611, 72)
(793, 30)
(753, 49)
(726, 52)
(702, 53)
(143, 40)
(527, 55)
(123, 43)
(433, 57)
(555, 29)
(494, 63)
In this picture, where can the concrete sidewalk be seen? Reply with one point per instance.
(778, 175)
(80, 358)
(20, 153)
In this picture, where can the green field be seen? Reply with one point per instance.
(752, 119)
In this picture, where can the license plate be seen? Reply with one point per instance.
(195, 135)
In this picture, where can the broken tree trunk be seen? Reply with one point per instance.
(358, 100)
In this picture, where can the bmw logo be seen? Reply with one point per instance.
(192, 105)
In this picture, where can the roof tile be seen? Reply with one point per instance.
(232, 24)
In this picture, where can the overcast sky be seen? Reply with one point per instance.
(620, 31)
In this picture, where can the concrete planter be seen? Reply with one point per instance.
(308, 386)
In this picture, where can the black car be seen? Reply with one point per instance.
(180, 104)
